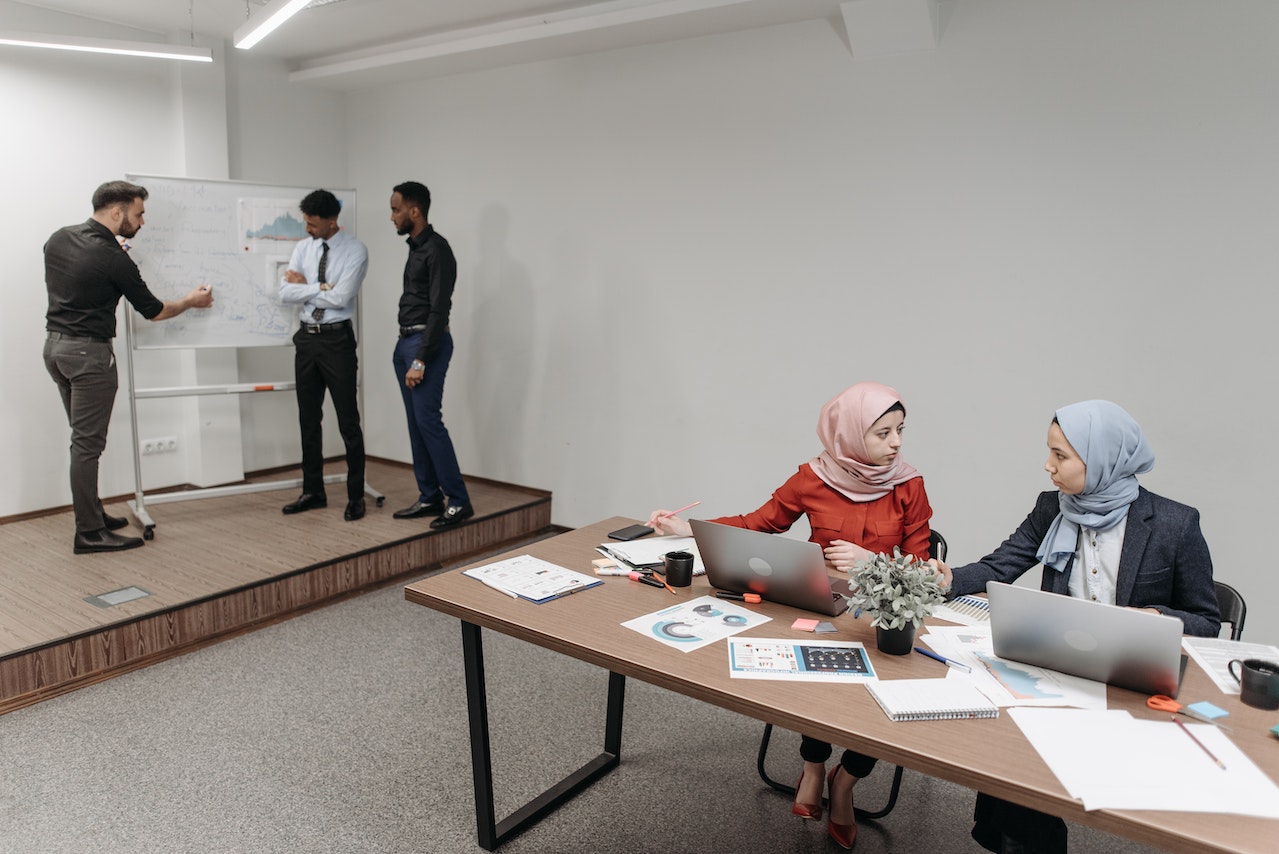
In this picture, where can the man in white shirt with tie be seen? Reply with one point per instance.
(324, 276)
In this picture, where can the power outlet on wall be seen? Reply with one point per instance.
(160, 445)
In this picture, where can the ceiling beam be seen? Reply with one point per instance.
(505, 34)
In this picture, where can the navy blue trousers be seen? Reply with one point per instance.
(434, 461)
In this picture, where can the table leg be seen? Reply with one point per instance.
(490, 832)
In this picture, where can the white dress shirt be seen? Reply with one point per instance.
(1095, 571)
(344, 271)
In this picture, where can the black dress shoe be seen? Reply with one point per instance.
(354, 510)
(418, 509)
(454, 515)
(103, 540)
(306, 501)
(114, 523)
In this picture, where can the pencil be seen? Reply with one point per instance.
(681, 510)
(1202, 746)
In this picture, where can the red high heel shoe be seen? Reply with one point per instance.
(803, 810)
(845, 835)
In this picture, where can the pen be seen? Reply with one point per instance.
(681, 510)
(510, 593)
(944, 660)
(753, 598)
(1187, 731)
(647, 579)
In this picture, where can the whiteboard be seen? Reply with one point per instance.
(234, 235)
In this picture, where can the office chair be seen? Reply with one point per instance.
(1232, 608)
(936, 548)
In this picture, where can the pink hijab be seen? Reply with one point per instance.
(842, 428)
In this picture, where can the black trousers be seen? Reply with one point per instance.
(327, 360)
(997, 822)
(857, 764)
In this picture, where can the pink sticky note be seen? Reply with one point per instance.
(803, 625)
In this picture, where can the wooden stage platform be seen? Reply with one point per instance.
(218, 567)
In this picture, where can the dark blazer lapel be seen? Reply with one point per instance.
(1136, 535)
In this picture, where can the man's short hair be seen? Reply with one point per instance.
(117, 193)
(321, 203)
(415, 194)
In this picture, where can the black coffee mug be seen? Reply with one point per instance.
(679, 568)
(1258, 682)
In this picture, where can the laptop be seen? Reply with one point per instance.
(1106, 643)
(792, 572)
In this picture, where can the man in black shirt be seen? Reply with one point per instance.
(86, 270)
(422, 359)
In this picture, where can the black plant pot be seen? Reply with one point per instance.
(895, 641)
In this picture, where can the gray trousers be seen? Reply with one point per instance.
(85, 373)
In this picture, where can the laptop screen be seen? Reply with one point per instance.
(780, 569)
(1125, 647)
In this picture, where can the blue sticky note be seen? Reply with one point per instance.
(1274, 730)
(1208, 710)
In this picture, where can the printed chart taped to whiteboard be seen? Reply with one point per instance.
(234, 235)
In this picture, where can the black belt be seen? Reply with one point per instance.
(409, 330)
(317, 328)
(77, 339)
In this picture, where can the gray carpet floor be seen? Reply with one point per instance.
(344, 730)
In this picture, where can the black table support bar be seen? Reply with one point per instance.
(492, 833)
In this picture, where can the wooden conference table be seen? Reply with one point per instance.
(991, 756)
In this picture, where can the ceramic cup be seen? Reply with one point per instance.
(1258, 682)
(679, 568)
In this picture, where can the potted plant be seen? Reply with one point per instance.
(899, 591)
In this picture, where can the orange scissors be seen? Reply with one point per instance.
(1164, 703)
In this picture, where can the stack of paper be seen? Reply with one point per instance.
(1110, 760)
(649, 551)
(528, 577)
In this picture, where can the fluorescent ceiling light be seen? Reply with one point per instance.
(148, 49)
(272, 15)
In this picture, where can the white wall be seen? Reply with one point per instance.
(672, 256)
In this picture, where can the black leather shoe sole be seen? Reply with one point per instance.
(306, 502)
(354, 510)
(454, 516)
(418, 510)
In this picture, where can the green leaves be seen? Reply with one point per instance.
(897, 591)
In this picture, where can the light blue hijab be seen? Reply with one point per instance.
(1114, 452)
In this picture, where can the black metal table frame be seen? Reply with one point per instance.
(490, 831)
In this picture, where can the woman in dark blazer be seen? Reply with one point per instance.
(1103, 537)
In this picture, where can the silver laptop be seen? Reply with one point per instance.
(792, 572)
(1105, 643)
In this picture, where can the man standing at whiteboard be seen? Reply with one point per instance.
(422, 357)
(324, 276)
(87, 270)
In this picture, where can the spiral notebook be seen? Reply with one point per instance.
(931, 700)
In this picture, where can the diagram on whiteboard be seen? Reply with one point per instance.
(268, 223)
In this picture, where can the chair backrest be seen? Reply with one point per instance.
(937, 546)
(1232, 608)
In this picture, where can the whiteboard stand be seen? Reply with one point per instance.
(139, 503)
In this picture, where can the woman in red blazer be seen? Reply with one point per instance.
(861, 498)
